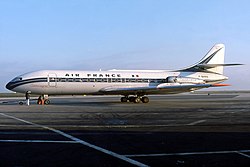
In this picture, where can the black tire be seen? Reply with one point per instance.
(20, 103)
(137, 100)
(47, 102)
(145, 99)
(131, 99)
(124, 99)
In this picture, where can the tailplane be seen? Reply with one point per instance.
(212, 62)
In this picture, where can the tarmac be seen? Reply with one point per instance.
(172, 130)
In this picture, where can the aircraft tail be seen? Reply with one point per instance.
(214, 56)
(212, 62)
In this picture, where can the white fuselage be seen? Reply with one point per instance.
(68, 82)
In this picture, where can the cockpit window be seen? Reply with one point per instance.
(17, 79)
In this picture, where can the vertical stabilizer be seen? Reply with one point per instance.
(215, 56)
(213, 61)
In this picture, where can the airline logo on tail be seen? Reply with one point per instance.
(212, 62)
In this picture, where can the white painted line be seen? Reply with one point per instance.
(196, 122)
(248, 156)
(191, 153)
(14, 125)
(116, 126)
(116, 155)
(36, 141)
(100, 126)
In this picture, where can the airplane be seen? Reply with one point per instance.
(133, 85)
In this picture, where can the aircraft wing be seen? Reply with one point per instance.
(170, 88)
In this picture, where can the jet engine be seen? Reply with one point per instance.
(181, 80)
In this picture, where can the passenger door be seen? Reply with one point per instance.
(52, 80)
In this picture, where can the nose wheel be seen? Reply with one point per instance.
(47, 102)
(43, 100)
(135, 99)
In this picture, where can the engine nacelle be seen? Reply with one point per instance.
(181, 80)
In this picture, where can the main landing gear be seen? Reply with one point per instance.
(135, 99)
(43, 100)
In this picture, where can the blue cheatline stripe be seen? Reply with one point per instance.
(13, 85)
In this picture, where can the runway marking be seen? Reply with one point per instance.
(241, 152)
(36, 141)
(196, 122)
(102, 126)
(116, 155)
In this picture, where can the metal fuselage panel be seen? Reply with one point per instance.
(66, 82)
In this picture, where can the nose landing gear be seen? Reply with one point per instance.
(44, 99)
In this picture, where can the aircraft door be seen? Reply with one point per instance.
(52, 80)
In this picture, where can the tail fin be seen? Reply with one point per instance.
(214, 56)
(212, 62)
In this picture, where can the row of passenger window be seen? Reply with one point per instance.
(123, 80)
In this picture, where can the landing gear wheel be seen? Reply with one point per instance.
(145, 99)
(124, 99)
(131, 99)
(47, 101)
(137, 100)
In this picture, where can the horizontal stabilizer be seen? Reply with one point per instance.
(206, 66)
(212, 62)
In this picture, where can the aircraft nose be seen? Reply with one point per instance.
(9, 86)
